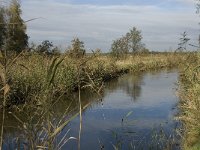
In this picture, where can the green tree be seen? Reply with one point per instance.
(77, 49)
(134, 37)
(45, 48)
(119, 47)
(115, 50)
(2, 27)
(17, 39)
(131, 42)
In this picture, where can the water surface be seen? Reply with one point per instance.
(148, 99)
(136, 111)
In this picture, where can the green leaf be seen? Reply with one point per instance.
(54, 71)
(51, 71)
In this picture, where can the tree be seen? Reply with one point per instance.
(131, 42)
(45, 48)
(55, 51)
(17, 39)
(115, 49)
(2, 27)
(198, 6)
(198, 11)
(77, 49)
(134, 37)
(144, 50)
(183, 42)
(119, 47)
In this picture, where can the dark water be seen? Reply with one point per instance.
(136, 112)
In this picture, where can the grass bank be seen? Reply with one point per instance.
(39, 82)
(190, 102)
(28, 77)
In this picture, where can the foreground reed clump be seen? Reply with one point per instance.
(190, 102)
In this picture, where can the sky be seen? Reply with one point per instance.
(98, 22)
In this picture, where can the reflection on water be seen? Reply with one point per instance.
(147, 98)
(131, 85)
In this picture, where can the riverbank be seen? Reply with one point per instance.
(29, 77)
(190, 103)
(39, 82)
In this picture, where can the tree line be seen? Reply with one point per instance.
(13, 37)
(77, 48)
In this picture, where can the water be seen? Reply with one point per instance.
(136, 112)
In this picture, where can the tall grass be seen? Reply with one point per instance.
(5, 64)
(190, 102)
(28, 74)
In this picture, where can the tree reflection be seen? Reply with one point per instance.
(131, 84)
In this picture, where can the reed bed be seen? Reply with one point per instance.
(28, 75)
(190, 102)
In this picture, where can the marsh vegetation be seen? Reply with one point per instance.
(51, 99)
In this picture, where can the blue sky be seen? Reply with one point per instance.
(99, 22)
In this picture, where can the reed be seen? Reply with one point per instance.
(28, 75)
(189, 92)
(6, 63)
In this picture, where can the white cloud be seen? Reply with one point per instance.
(186, 1)
(98, 26)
